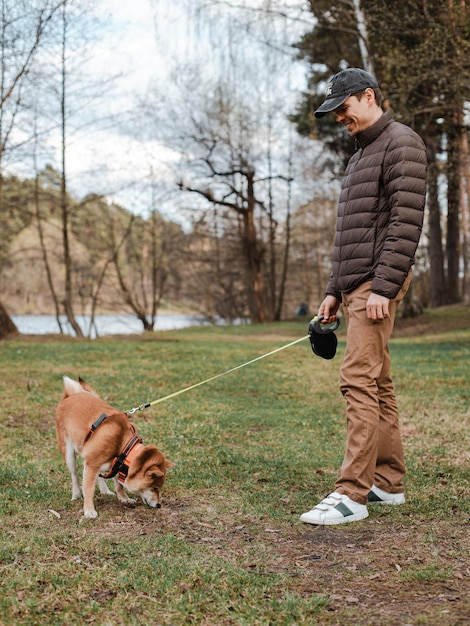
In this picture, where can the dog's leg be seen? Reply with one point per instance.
(103, 487)
(90, 475)
(71, 461)
(121, 494)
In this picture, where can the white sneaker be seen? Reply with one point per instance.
(379, 496)
(337, 508)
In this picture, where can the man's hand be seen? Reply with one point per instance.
(328, 308)
(377, 307)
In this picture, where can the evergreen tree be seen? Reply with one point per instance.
(420, 52)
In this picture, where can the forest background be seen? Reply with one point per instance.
(237, 197)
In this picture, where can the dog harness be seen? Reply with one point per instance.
(95, 425)
(120, 465)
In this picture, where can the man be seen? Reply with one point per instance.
(379, 222)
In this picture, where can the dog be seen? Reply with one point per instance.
(106, 440)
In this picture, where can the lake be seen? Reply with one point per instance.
(105, 324)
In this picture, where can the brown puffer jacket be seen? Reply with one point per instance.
(381, 209)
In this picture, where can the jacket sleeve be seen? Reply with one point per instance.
(404, 179)
(331, 289)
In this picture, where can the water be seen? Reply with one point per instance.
(105, 324)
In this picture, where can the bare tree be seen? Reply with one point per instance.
(234, 138)
(227, 165)
(63, 102)
(44, 248)
(7, 325)
(23, 28)
(142, 255)
(64, 199)
(465, 224)
(363, 37)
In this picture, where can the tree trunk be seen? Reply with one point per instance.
(42, 243)
(436, 253)
(272, 226)
(453, 206)
(254, 252)
(7, 325)
(363, 37)
(68, 298)
(286, 256)
(465, 219)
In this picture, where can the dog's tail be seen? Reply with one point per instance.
(73, 386)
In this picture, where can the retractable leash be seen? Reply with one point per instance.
(203, 382)
(322, 337)
(322, 340)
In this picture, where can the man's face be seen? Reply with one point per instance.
(356, 115)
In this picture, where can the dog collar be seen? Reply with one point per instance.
(121, 463)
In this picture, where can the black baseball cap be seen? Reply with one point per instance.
(345, 84)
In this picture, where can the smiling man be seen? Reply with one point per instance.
(379, 222)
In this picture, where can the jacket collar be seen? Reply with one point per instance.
(370, 134)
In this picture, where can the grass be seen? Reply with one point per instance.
(253, 449)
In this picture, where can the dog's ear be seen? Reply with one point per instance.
(84, 384)
(86, 387)
(72, 386)
(169, 463)
(154, 472)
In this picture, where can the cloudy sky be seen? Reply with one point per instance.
(129, 49)
(142, 41)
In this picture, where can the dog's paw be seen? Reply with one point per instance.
(90, 514)
(105, 491)
(76, 492)
(126, 500)
(103, 487)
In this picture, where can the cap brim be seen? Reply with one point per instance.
(330, 105)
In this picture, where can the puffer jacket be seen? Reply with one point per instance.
(380, 211)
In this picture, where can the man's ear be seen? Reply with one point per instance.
(370, 95)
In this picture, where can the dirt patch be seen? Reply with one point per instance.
(393, 572)
(379, 572)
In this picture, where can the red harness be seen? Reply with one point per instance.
(120, 465)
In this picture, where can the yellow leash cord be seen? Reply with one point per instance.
(208, 380)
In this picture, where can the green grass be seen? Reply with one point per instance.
(253, 450)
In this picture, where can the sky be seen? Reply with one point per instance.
(140, 42)
(129, 49)
(101, 158)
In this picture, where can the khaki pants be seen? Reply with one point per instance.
(374, 452)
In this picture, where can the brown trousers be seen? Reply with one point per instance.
(374, 451)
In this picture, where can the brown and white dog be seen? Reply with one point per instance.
(107, 442)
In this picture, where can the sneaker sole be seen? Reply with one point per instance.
(333, 522)
(388, 502)
(398, 499)
(378, 496)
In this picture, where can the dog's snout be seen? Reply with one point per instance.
(151, 502)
